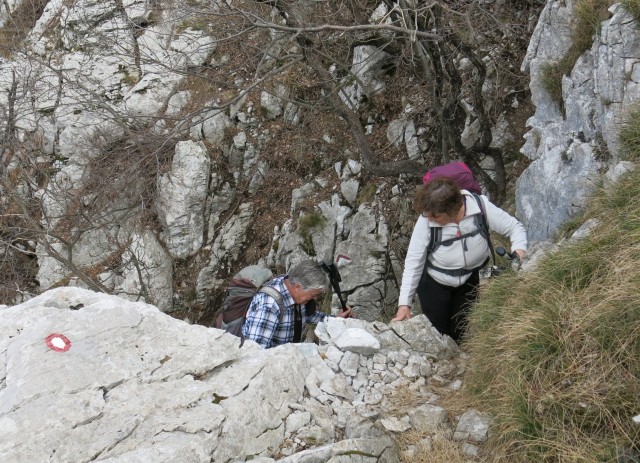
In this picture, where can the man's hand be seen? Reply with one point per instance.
(345, 312)
(404, 313)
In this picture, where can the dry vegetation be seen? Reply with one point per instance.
(425, 445)
(252, 59)
(555, 353)
(433, 448)
(19, 23)
(633, 7)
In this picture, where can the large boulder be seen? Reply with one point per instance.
(87, 376)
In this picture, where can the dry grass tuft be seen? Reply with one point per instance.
(435, 448)
(555, 353)
(630, 136)
(633, 7)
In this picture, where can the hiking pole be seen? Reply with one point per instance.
(334, 278)
(502, 252)
(512, 256)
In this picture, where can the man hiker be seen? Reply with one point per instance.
(265, 324)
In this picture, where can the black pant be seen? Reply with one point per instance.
(446, 307)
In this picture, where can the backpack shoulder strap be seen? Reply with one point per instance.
(435, 240)
(482, 209)
(484, 225)
(274, 293)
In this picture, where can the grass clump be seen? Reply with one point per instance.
(310, 221)
(366, 194)
(588, 16)
(428, 447)
(555, 353)
(630, 137)
(633, 7)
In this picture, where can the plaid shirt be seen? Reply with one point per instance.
(263, 323)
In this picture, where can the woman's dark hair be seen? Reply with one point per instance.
(439, 196)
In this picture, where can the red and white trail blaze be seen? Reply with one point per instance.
(58, 342)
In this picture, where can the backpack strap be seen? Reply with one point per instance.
(482, 228)
(459, 271)
(275, 294)
(435, 240)
(483, 225)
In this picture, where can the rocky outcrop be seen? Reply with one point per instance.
(105, 74)
(572, 142)
(85, 376)
(182, 195)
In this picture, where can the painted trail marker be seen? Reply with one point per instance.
(58, 342)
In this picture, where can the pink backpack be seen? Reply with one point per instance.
(459, 172)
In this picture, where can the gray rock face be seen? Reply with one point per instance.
(225, 248)
(403, 130)
(570, 150)
(556, 186)
(367, 66)
(364, 261)
(182, 197)
(85, 376)
(148, 273)
(473, 426)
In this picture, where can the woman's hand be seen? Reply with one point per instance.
(404, 313)
(521, 253)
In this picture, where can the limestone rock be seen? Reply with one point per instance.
(570, 150)
(148, 271)
(472, 426)
(181, 199)
(367, 64)
(428, 417)
(358, 341)
(87, 376)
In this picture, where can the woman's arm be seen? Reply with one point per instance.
(414, 262)
(507, 225)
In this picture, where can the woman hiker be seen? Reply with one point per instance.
(446, 279)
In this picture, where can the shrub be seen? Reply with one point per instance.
(19, 23)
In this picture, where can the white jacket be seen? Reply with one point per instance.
(466, 253)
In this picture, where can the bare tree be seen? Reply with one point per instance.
(438, 61)
(443, 47)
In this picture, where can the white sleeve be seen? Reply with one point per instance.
(503, 223)
(415, 260)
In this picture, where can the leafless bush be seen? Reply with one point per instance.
(19, 23)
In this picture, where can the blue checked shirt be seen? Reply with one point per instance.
(263, 323)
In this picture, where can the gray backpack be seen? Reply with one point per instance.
(242, 287)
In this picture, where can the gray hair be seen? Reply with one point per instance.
(309, 275)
